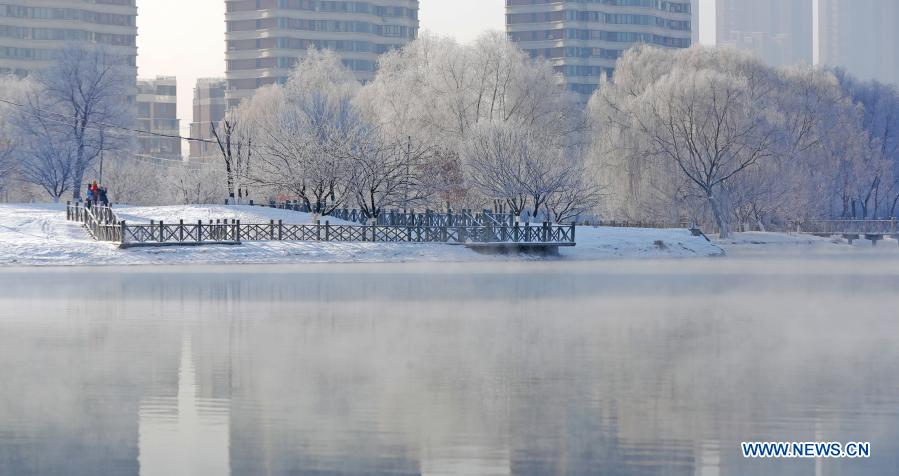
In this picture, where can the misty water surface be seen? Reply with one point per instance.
(529, 368)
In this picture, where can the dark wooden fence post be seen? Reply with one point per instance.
(271, 230)
(199, 231)
(123, 228)
(180, 230)
(327, 230)
(237, 231)
(572, 232)
(161, 231)
(280, 231)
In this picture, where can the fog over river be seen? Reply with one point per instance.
(618, 367)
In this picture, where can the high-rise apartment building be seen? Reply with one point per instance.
(266, 38)
(861, 36)
(694, 20)
(32, 30)
(779, 31)
(209, 109)
(584, 39)
(157, 111)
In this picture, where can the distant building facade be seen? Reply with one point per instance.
(157, 111)
(31, 31)
(209, 108)
(266, 38)
(779, 31)
(694, 20)
(583, 39)
(861, 36)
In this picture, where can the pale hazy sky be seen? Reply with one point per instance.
(186, 38)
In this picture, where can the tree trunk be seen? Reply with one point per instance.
(77, 182)
(720, 219)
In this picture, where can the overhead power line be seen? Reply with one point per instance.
(65, 120)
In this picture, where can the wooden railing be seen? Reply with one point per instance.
(181, 233)
(100, 221)
(854, 227)
(524, 233)
(103, 225)
(407, 218)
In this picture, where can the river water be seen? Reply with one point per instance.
(528, 368)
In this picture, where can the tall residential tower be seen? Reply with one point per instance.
(583, 39)
(780, 31)
(266, 38)
(861, 36)
(157, 111)
(209, 108)
(32, 30)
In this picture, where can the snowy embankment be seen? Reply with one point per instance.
(749, 243)
(38, 234)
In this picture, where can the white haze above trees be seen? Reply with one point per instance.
(711, 135)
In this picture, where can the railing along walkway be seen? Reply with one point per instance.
(405, 218)
(873, 230)
(105, 226)
(100, 221)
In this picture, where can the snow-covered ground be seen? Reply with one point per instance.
(192, 213)
(38, 234)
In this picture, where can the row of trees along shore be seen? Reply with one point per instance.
(702, 134)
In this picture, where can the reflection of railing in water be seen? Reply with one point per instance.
(108, 228)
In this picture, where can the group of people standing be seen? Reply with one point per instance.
(96, 194)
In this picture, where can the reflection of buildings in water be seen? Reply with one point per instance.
(184, 434)
(709, 459)
(466, 460)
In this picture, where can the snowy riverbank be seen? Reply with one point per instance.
(39, 235)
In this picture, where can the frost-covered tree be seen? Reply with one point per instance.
(47, 156)
(716, 133)
(703, 120)
(14, 90)
(306, 130)
(193, 184)
(441, 96)
(877, 188)
(439, 89)
(67, 117)
(234, 139)
(386, 172)
(509, 162)
(137, 180)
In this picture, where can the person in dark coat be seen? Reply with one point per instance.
(104, 200)
(89, 197)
